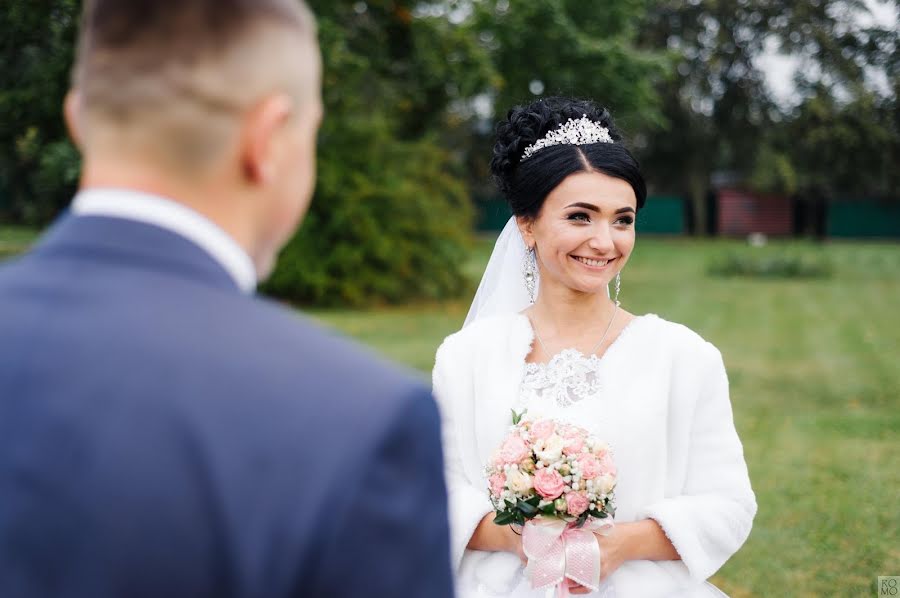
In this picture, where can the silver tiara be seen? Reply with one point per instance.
(571, 132)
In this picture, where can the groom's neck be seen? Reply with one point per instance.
(219, 201)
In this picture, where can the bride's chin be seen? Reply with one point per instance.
(590, 289)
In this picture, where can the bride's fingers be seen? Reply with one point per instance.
(577, 589)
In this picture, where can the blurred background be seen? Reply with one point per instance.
(769, 132)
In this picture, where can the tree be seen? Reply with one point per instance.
(38, 165)
(719, 112)
(391, 217)
(574, 48)
(852, 147)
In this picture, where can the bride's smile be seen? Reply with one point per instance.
(598, 264)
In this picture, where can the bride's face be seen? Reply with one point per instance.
(584, 232)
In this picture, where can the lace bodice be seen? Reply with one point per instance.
(569, 377)
(566, 379)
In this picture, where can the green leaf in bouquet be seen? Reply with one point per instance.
(527, 509)
(548, 509)
(581, 519)
(517, 417)
(505, 518)
(534, 501)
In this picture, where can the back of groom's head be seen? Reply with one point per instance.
(203, 87)
(169, 74)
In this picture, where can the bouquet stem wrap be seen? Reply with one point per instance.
(558, 551)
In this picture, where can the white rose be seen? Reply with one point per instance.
(518, 482)
(552, 449)
(605, 484)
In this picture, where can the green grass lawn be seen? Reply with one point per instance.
(815, 382)
(15, 239)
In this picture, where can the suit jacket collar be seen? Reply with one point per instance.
(132, 243)
(174, 216)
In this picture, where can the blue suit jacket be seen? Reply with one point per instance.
(164, 435)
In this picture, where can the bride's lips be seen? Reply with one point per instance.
(593, 264)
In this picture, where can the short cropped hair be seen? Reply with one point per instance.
(173, 73)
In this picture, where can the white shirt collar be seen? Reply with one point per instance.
(174, 217)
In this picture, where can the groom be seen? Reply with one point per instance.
(164, 432)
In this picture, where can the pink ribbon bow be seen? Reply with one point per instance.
(557, 551)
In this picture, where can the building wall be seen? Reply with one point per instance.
(743, 212)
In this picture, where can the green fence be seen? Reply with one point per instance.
(662, 214)
(491, 214)
(864, 218)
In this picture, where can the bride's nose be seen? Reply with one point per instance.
(601, 239)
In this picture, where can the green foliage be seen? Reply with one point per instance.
(522, 510)
(851, 147)
(773, 171)
(391, 218)
(388, 60)
(394, 227)
(38, 166)
(756, 263)
(544, 47)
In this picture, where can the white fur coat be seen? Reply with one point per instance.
(665, 410)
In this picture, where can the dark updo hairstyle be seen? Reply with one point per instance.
(526, 184)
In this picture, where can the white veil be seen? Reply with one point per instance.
(502, 289)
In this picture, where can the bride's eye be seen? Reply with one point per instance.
(579, 217)
(626, 220)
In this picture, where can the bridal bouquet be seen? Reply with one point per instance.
(558, 481)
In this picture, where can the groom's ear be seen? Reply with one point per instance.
(72, 117)
(261, 130)
(525, 224)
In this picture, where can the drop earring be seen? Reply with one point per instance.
(618, 287)
(529, 272)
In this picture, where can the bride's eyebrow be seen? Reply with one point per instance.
(586, 206)
(593, 208)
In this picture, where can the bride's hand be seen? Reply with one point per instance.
(497, 538)
(612, 550)
(611, 558)
(515, 543)
(576, 589)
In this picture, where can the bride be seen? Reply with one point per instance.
(544, 334)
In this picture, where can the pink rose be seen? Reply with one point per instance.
(543, 428)
(548, 483)
(571, 432)
(578, 503)
(590, 467)
(513, 449)
(497, 482)
(573, 445)
(607, 465)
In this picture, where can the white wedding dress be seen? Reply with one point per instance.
(658, 396)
